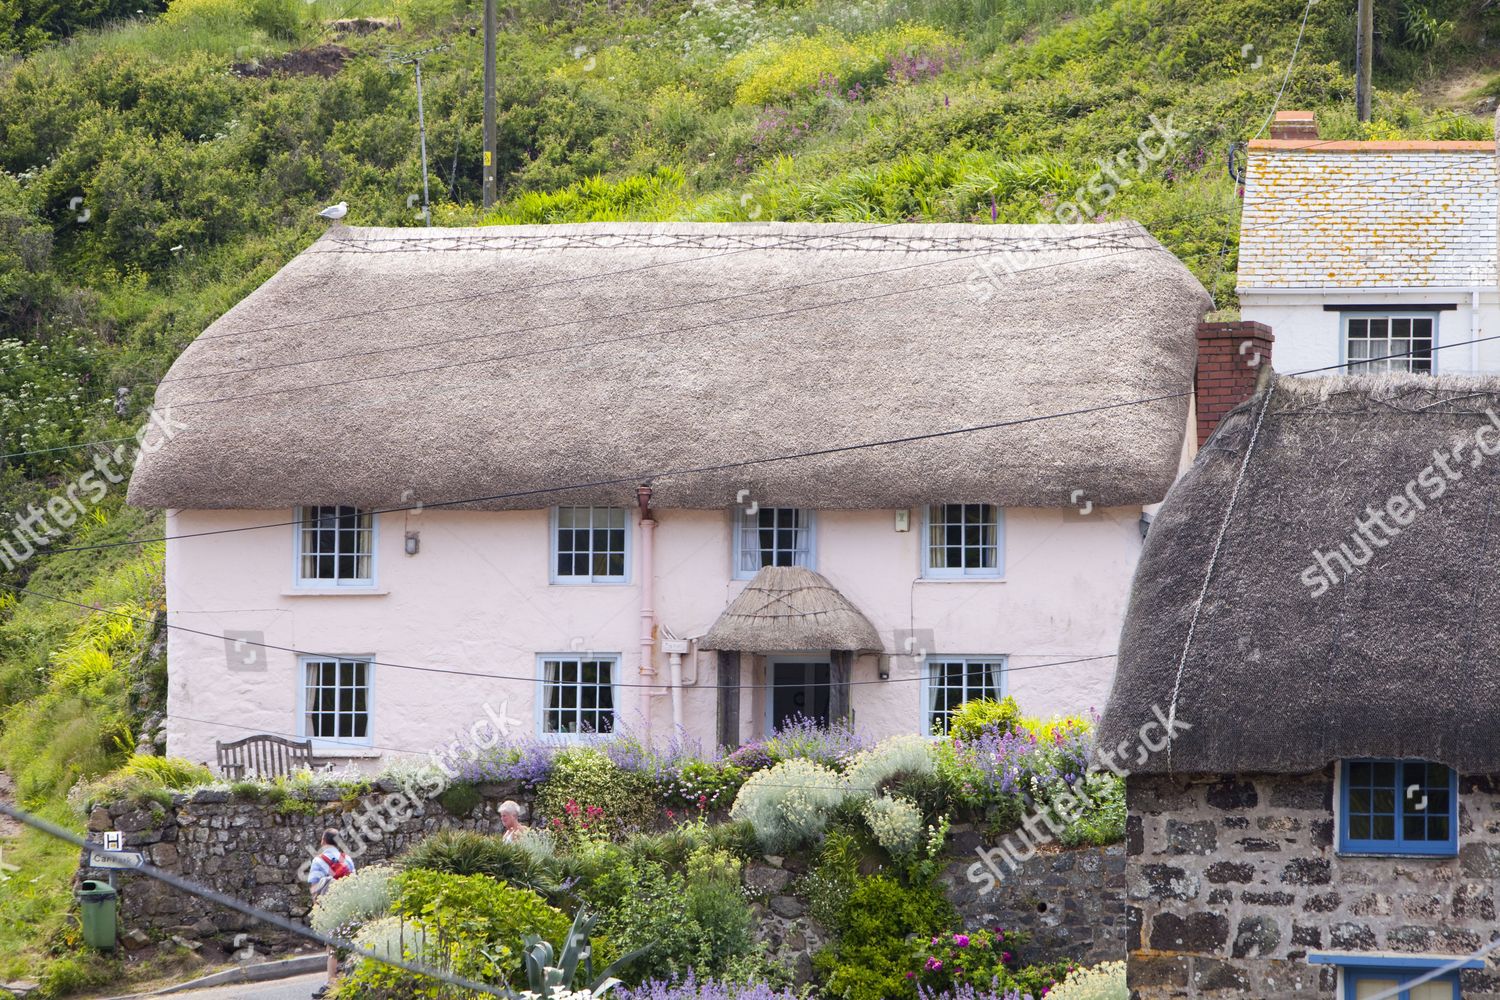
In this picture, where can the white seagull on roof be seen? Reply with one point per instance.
(335, 212)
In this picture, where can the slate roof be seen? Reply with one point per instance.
(1322, 214)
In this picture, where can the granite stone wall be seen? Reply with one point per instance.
(254, 850)
(1232, 880)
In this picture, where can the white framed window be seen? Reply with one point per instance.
(577, 694)
(772, 536)
(1379, 335)
(590, 545)
(336, 699)
(949, 681)
(964, 540)
(335, 547)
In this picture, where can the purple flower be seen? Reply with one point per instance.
(962, 940)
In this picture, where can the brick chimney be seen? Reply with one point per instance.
(1295, 125)
(1230, 359)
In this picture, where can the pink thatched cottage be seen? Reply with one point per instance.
(627, 475)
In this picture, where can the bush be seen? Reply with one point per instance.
(693, 920)
(897, 757)
(789, 804)
(467, 924)
(466, 852)
(872, 956)
(974, 718)
(801, 738)
(459, 798)
(708, 989)
(1105, 981)
(353, 900)
(948, 962)
(588, 794)
(896, 824)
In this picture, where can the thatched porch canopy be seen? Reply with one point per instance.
(1397, 657)
(787, 607)
(390, 366)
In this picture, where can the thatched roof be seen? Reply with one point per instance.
(788, 607)
(1400, 660)
(521, 358)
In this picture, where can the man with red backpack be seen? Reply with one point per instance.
(328, 867)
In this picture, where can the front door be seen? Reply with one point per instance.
(799, 687)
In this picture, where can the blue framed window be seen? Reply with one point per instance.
(1398, 807)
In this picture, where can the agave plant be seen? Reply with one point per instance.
(552, 972)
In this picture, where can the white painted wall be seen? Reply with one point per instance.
(1307, 336)
(476, 598)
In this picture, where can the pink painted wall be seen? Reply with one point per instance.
(476, 598)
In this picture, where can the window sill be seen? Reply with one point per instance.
(1442, 855)
(960, 579)
(343, 751)
(334, 592)
(589, 583)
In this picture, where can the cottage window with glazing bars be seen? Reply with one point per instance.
(1398, 807)
(952, 681)
(964, 540)
(336, 699)
(335, 546)
(1367, 336)
(578, 694)
(772, 536)
(590, 544)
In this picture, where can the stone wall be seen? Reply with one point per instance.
(1071, 902)
(253, 851)
(1233, 880)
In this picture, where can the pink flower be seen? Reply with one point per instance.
(933, 965)
(962, 940)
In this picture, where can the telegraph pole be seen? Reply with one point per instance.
(1364, 51)
(489, 103)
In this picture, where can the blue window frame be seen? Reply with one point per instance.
(1398, 807)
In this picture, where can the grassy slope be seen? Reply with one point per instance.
(198, 183)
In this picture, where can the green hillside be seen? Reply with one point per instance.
(156, 165)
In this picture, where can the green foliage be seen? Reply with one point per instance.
(145, 778)
(834, 875)
(896, 823)
(697, 918)
(584, 779)
(871, 956)
(984, 714)
(789, 805)
(459, 798)
(469, 924)
(895, 759)
(528, 864)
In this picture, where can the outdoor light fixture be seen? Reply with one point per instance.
(885, 667)
(413, 542)
(903, 520)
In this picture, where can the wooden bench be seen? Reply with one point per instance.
(263, 757)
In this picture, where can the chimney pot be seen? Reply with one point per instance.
(1295, 125)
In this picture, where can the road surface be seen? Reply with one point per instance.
(296, 988)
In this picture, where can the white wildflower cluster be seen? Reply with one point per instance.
(720, 27)
(1105, 981)
(352, 900)
(896, 824)
(908, 753)
(789, 804)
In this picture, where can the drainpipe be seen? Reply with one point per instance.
(648, 604)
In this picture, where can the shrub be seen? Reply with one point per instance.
(833, 877)
(1101, 982)
(805, 739)
(691, 988)
(982, 715)
(984, 958)
(871, 957)
(459, 798)
(693, 920)
(353, 900)
(466, 852)
(898, 756)
(896, 824)
(587, 794)
(789, 804)
(145, 778)
(468, 924)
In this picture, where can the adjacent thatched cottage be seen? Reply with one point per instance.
(1315, 602)
(637, 475)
